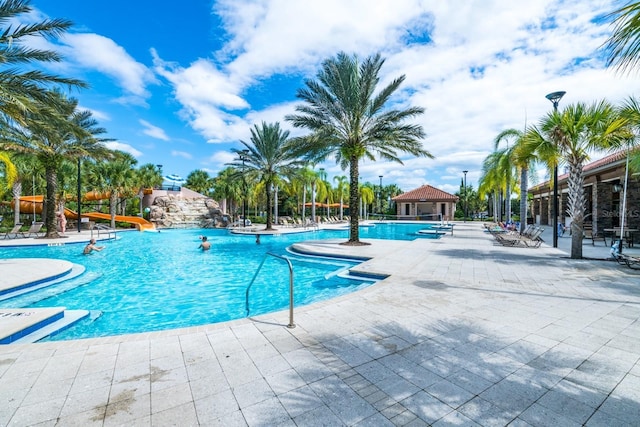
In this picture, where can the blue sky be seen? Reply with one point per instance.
(179, 84)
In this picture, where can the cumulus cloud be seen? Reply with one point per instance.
(103, 54)
(476, 68)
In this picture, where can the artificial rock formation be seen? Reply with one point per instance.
(176, 211)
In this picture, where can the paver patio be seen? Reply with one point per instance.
(463, 332)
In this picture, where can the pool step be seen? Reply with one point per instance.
(27, 325)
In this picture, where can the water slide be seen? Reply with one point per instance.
(33, 204)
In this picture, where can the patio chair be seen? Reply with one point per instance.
(588, 233)
(34, 230)
(15, 231)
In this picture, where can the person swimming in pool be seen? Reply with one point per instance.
(205, 245)
(91, 246)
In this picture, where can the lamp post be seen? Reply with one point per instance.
(323, 177)
(555, 98)
(243, 157)
(465, 195)
(380, 196)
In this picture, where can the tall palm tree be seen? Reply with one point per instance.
(623, 46)
(268, 153)
(367, 195)
(24, 90)
(524, 163)
(491, 182)
(630, 111)
(569, 137)
(348, 120)
(227, 189)
(55, 134)
(342, 189)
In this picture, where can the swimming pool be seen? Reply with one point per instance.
(155, 281)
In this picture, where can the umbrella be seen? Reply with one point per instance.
(175, 178)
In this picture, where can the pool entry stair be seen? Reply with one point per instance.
(20, 287)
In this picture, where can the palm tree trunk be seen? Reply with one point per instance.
(576, 206)
(17, 192)
(304, 200)
(48, 210)
(269, 217)
(113, 199)
(524, 172)
(354, 236)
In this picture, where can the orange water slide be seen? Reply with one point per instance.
(30, 204)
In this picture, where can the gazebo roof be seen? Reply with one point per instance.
(426, 193)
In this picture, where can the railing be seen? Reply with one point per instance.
(246, 304)
(104, 229)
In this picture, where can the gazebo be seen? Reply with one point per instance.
(426, 203)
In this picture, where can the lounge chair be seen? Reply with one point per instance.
(15, 231)
(33, 231)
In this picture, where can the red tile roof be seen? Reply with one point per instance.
(611, 158)
(425, 193)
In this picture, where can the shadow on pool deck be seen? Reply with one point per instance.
(462, 332)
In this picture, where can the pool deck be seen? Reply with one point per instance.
(462, 332)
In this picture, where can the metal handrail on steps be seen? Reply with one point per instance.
(104, 228)
(291, 324)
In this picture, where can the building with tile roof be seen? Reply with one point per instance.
(604, 193)
(426, 203)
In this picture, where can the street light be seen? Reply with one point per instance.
(160, 171)
(465, 195)
(380, 196)
(555, 98)
(243, 157)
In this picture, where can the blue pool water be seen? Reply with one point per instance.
(154, 281)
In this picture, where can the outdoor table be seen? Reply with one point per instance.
(629, 234)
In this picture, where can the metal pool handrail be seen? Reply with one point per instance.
(291, 324)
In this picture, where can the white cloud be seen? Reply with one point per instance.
(182, 154)
(477, 67)
(103, 54)
(153, 131)
(121, 146)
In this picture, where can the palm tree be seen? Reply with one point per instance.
(8, 172)
(570, 136)
(367, 195)
(269, 153)
(347, 119)
(199, 181)
(342, 189)
(630, 111)
(524, 162)
(147, 177)
(25, 91)
(227, 189)
(115, 177)
(491, 180)
(52, 136)
(623, 46)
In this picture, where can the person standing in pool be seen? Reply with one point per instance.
(205, 245)
(91, 246)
